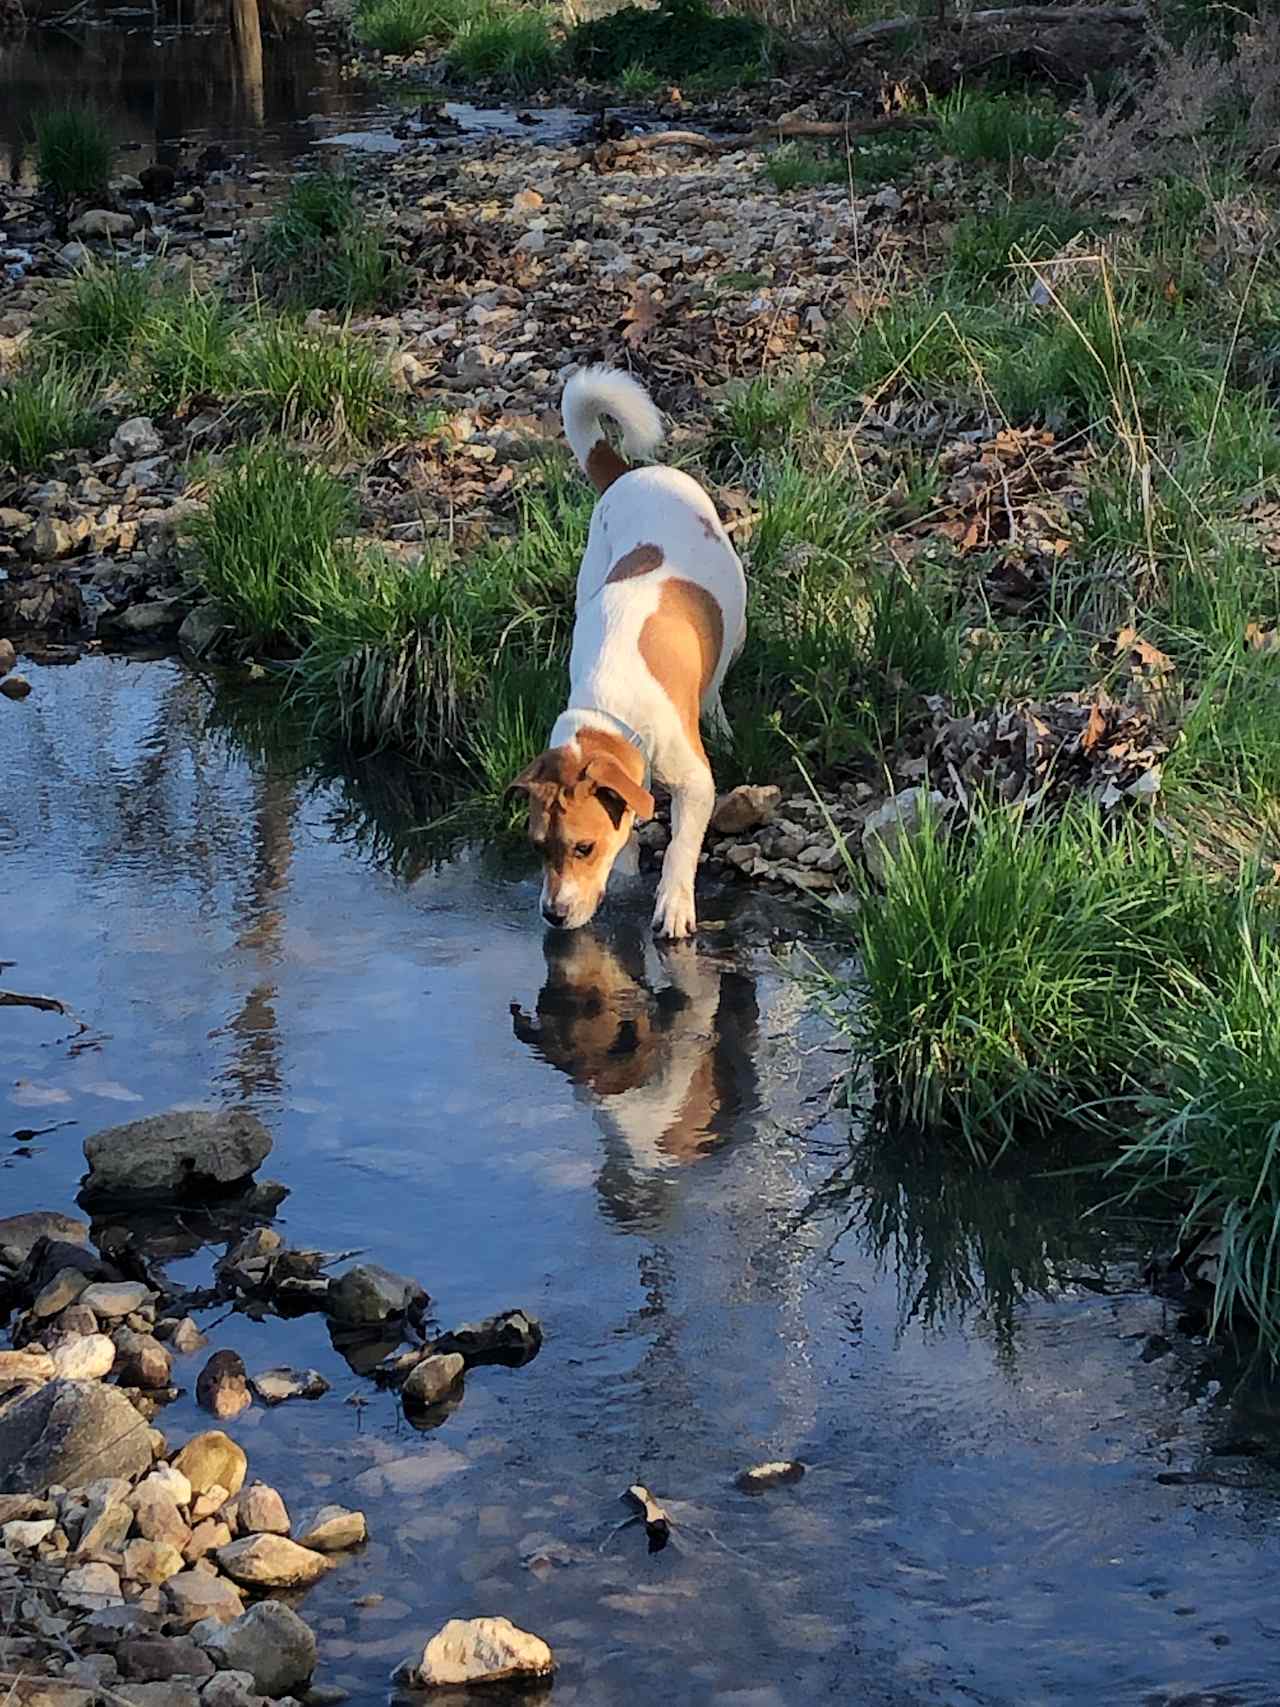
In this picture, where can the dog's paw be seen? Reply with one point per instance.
(674, 914)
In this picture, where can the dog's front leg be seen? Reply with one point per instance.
(692, 799)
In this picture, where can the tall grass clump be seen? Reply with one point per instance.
(101, 312)
(321, 250)
(322, 384)
(74, 151)
(1009, 972)
(994, 127)
(190, 350)
(1212, 1127)
(515, 48)
(679, 38)
(270, 545)
(403, 26)
(45, 409)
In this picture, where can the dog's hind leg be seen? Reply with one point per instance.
(716, 721)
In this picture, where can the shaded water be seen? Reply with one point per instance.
(632, 1146)
(245, 75)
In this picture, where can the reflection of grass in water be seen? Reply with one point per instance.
(962, 1240)
(398, 816)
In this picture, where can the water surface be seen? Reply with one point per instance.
(635, 1148)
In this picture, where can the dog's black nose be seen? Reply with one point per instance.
(554, 915)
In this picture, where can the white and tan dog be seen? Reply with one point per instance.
(661, 613)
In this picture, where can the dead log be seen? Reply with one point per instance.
(1050, 16)
(784, 130)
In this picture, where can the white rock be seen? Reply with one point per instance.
(479, 1650)
(28, 1534)
(87, 1357)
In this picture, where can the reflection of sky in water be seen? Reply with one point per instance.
(981, 1522)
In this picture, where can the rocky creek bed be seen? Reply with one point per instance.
(1004, 1432)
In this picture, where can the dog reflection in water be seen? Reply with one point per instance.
(669, 1069)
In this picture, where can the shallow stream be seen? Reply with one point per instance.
(982, 1388)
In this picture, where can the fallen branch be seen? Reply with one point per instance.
(1001, 15)
(782, 131)
(46, 1004)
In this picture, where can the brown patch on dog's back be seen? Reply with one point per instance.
(681, 643)
(604, 465)
(641, 560)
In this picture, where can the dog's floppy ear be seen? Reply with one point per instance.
(618, 792)
(534, 779)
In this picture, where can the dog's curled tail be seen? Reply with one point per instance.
(597, 391)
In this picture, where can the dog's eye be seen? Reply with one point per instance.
(583, 850)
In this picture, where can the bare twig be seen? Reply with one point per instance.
(46, 1004)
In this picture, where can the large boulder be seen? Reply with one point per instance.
(185, 1153)
(271, 1643)
(19, 1234)
(70, 1432)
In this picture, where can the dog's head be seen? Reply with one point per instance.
(584, 797)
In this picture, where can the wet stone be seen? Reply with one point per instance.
(212, 1459)
(221, 1386)
(110, 1300)
(334, 1528)
(434, 1378)
(368, 1294)
(183, 1153)
(275, 1386)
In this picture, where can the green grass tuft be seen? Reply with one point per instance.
(43, 410)
(329, 385)
(516, 49)
(983, 127)
(190, 350)
(403, 26)
(101, 312)
(321, 250)
(1212, 1128)
(1007, 972)
(270, 547)
(684, 39)
(637, 82)
(74, 151)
